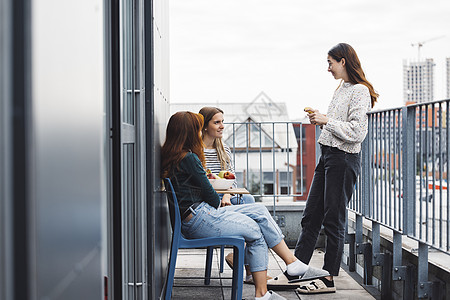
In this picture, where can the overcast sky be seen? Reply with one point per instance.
(229, 51)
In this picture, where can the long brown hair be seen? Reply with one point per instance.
(182, 136)
(353, 67)
(208, 113)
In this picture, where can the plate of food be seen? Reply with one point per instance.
(222, 181)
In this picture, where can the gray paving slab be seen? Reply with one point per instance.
(191, 263)
(195, 276)
(345, 282)
(340, 295)
(202, 293)
(192, 251)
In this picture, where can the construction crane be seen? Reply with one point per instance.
(420, 44)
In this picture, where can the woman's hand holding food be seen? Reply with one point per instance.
(315, 117)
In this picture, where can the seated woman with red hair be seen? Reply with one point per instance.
(183, 162)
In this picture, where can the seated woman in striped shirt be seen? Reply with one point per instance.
(218, 158)
(218, 155)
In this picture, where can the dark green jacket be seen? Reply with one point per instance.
(191, 184)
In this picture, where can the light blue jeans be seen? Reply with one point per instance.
(251, 221)
(240, 199)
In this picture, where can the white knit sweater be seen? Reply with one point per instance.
(347, 118)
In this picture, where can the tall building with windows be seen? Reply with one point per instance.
(447, 60)
(418, 81)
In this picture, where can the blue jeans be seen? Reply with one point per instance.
(251, 221)
(240, 199)
(332, 187)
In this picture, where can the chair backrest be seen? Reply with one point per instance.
(174, 210)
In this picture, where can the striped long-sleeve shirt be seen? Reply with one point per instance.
(213, 162)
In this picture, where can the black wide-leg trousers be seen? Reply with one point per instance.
(332, 187)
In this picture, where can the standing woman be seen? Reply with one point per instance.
(217, 154)
(344, 128)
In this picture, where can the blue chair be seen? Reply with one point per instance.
(180, 242)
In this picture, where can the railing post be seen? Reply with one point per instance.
(350, 240)
(424, 286)
(400, 272)
(365, 249)
(361, 247)
(366, 174)
(408, 168)
(382, 260)
(351, 254)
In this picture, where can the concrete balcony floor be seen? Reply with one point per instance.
(191, 263)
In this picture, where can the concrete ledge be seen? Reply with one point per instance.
(288, 217)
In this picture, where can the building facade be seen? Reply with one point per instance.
(418, 81)
(306, 157)
(82, 215)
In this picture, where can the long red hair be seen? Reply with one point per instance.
(183, 135)
(353, 67)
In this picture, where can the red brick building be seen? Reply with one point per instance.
(306, 157)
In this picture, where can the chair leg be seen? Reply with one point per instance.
(238, 271)
(171, 273)
(209, 257)
(222, 257)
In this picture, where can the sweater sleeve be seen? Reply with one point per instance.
(208, 194)
(355, 128)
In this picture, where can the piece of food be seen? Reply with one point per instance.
(211, 175)
(226, 175)
(309, 110)
(229, 175)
